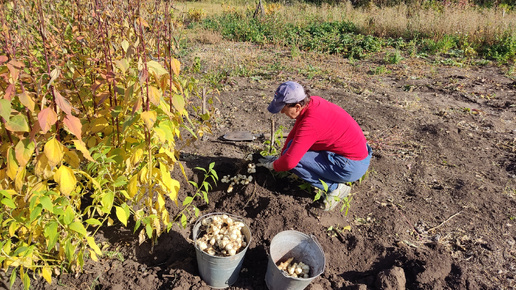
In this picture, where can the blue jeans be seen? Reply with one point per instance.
(330, 168)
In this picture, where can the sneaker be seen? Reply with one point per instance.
(334, 197)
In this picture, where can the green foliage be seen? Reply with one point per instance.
(393, 57)
(201, 191)
(92, 103)
(273, 146)
(380, 70)
(503, 50)
(344, 38)
(329, 37)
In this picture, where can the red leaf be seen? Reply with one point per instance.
(3, 59)
(74, 125)
(63, 103)
(9, 92)
(46, 118)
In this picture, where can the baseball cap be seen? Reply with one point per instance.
(287, 93)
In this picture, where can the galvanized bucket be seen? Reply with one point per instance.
(219, 272)
(303, 248)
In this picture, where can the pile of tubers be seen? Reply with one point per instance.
(296, 270)
(222, 236)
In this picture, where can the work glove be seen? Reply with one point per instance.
(267, 162)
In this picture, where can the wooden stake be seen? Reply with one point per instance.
(259, 8)
(271, 147)
(203, 108)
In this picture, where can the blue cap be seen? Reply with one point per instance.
(287, 93)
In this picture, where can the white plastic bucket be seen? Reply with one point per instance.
(303, 248)
(219, 272)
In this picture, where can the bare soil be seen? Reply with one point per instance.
(437, 209)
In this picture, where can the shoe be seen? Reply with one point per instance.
(334, 197)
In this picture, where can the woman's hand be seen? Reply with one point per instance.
(267, 162)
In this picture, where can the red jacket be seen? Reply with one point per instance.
(322, 126)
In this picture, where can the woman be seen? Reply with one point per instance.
(326, 143)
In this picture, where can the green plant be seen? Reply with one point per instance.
(201, 191)
(116, 254)
(346, 201)
(393, 57)
(196, 67)
(294, 51)
(271, 147)
(310, 71)
(334, 231)
(381, 70)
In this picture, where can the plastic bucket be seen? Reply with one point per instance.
(302, 248)
(219, 272)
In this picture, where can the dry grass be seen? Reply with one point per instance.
(403, 20)
(398, 21)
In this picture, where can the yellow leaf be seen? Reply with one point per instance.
(143, 175)
(179, 103)
(136, 157)
(141, 237)
(12, 165)
(154, 95)
(123, 64)
(54, 151)
(65, 177)
(157, 225)
(125, 44)
(46, 272)
(24, 150)
(20, 179)
(93, 245)
(27, 101)
(93, 256)
(121, 215)
(168, 153)
(149, 118)
(132, 187)
(42, 186)
(175, 190)
(176, 66)
(13, 227)
(42, 168)
(171, 184)
(161, 201)
(156, 68)
(72, 158)
(142, 22)
(97, 125)
(17, 123)
(161, 134)
(81, 146)
(93, 141)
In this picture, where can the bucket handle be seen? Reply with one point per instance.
(314, 238)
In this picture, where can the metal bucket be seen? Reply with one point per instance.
(219, 272)
(302, 248)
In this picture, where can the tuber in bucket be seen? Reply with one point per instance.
(219, 271)
(300, 247)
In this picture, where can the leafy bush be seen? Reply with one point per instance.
(92, 104)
